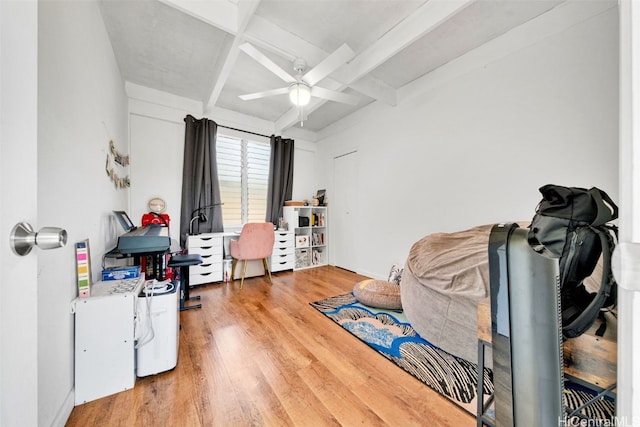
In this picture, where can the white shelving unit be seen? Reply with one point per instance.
(310, 235)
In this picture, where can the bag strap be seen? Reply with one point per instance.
(581, 323)
(603, 325)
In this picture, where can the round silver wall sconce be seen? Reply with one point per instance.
(23, 238)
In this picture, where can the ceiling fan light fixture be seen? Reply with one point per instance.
(299, 94)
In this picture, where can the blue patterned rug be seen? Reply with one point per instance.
(389, 333)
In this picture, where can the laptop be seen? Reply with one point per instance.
(125, 221)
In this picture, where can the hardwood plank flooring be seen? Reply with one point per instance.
(262, 356)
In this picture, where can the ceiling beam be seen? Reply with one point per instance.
(368, 85)
(228, 17)
(221, 14)
(246, 10)
(424, 20)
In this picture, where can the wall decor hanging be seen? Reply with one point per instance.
(120, 160)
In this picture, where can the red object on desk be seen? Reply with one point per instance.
(152, 218)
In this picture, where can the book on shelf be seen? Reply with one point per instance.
(317, 257)
(317, 239)
(317, 220)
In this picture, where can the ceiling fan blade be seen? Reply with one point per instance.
(332, 95)
(250, 50)
(329, 64)
(264, 94)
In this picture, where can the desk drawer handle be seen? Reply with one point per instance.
(205, 274)
(206, 256)
(206, 247)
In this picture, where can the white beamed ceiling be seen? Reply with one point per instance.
(191, 48)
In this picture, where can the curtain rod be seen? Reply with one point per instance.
(245, 131)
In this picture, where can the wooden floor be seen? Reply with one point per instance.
(262, 356)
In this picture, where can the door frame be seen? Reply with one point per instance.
(627, 254)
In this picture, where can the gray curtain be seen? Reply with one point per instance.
(200, 186)
(280, 177)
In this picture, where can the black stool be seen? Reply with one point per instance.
(184, 261)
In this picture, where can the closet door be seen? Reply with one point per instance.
(343, 207)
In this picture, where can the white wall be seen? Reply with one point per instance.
(156, 133)
(157, 147)
(81, 106)
(471, 143)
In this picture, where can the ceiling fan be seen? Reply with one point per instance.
(303, 86)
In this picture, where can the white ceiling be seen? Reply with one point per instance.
(191, 48)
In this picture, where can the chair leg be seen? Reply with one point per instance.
(267, 269)
(233, 269)
(184, 290)
(244, 271)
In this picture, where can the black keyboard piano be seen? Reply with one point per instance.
(143, 240)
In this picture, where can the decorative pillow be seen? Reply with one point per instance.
(395, 275)
(378, 293)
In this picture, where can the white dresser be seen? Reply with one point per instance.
(210, 247)
(283, 257)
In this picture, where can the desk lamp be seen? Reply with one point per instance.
(201, 217)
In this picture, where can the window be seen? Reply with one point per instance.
(243, 172)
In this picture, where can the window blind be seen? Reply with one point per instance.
(243, 172)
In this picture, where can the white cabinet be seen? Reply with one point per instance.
(283, 257)
(310, 235)
(210, 247)
(105, 339)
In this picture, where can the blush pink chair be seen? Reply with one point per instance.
(255, 242)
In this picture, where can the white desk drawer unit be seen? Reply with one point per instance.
(210, 248)
(283, 257)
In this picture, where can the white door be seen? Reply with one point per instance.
(18, 197)
(342, 221)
